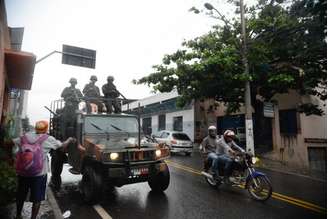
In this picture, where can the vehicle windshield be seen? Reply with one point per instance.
(181, 136)
(100, 125)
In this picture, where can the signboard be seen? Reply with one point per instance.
(268, 110)
(315, 140)
(79, 56)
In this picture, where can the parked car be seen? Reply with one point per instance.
(177, 141)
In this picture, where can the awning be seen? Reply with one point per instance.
(20, 68)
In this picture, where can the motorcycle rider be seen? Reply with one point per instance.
(208, 148)
(225, 150)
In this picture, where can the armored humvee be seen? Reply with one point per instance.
(110, 151)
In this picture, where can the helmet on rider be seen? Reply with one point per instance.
(73, 81)
(93, 78)
(229, 135)
(110, 78)
(212, 131)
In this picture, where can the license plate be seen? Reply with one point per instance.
(139, 171)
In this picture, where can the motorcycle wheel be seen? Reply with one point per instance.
(259, 188)
(212, 182)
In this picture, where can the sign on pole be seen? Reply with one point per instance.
(268, 110)
(79, 56)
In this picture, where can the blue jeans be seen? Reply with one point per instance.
(213, 157)
(226, 162)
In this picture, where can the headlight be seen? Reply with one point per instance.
(158, 153)
(254, 160)
(113, 156)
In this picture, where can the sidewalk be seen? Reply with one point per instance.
(48, 209)
(278, 166)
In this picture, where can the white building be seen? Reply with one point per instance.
(159, 112)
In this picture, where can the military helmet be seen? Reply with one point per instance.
(93, 78)
(110, 78)
(73, 80)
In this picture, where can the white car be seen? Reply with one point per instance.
(177, 141)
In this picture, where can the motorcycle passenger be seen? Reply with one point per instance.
(208, 148)
(226, 148)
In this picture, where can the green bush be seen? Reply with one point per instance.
(8, 183)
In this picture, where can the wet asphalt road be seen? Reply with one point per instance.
(189, 196)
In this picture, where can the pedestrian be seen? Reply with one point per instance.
(32, 165)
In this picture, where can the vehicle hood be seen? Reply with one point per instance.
(119, 143)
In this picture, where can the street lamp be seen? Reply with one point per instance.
(248, 106)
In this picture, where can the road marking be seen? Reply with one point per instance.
(278, 196)
(101, 211)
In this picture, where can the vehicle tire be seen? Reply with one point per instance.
(213, 183)
(160, 182)
(92, 185)
(259, 188)
(188, 154)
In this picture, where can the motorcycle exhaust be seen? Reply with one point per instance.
(207, 175)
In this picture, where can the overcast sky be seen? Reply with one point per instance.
(130, 36)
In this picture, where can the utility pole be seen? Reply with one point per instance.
(248, 105)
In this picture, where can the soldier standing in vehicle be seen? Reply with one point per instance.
(111, 94)
(92, 94)
(72, 97)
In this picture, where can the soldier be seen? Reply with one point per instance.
(72, 95)
(111, 94)
(92, 94)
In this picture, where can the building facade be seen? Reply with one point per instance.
(160, 112)
(16, 73)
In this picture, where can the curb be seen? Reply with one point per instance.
(53, 203)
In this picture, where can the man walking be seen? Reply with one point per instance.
(32, 165)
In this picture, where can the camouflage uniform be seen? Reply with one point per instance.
(72, 96)
(92, 94)
(111, 94)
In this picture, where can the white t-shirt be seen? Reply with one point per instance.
(47, 145)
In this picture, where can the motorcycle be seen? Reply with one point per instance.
(244, 175)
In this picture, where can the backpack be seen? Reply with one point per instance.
(29, 159)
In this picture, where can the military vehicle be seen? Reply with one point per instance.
(110, 151)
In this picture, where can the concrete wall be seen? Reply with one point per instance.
(188, 126)
(293, 150)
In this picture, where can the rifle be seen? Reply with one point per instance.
(51, 111)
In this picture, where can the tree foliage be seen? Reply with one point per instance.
(286, 44)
